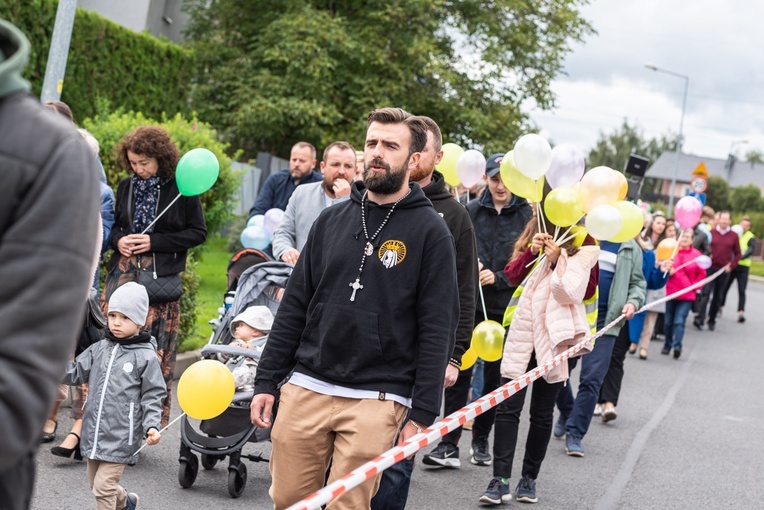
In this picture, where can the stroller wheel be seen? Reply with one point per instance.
(188, 470)
(209, 461)
(237, 480)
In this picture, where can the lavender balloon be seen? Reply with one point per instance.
(704, 261)
(567, 166)
(470, 167)
(272, 220)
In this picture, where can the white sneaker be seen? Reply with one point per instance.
(598, 410)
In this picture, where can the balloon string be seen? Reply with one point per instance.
(569, 229)
(160, 214)
(168, 426)
(482, 298)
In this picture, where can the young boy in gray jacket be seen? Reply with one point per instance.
(125, 399)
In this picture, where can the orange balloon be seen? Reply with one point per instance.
(624, 190)
(599, 186)
(666, 249)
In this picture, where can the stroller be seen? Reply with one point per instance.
(225, 435)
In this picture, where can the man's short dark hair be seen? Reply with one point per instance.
(745, 218)
(343, 146)
(305, 145)
(725, 212)
(433, 128)
(416, 125)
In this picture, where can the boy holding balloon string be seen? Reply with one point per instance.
(125, 400)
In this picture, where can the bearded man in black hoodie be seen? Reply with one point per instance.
(368, 343)
(394, 486)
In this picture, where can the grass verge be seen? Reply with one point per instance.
(212, 286)
(757, 267)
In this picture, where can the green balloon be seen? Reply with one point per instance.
(196, 172)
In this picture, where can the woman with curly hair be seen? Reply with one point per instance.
(151, 156)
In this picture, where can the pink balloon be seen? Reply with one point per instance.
(687, 211)
(704, 261)
(567, 166)
(470, 167)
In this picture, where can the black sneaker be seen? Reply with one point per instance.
(444, 455)
(665, 351)
(711, 326)
(479, 452)
(698, 324)
(496, 493)
(526, 490)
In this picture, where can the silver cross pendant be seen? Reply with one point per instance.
(356, 285)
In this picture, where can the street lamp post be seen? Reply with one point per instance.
(681, 126)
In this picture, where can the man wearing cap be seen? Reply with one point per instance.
(498, 218)
(307, 202)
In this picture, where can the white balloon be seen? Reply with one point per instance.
(533, 155)
(604, 222)
(738, 230)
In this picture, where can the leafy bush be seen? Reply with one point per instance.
(110, 128)
(132, 70)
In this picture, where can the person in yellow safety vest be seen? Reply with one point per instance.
(740, 273)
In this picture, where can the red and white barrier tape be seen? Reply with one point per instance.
(460, 417)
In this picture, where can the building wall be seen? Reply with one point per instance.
(132, 14)
(162, 18)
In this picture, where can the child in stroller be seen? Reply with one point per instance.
(260, 286)
(250, 325)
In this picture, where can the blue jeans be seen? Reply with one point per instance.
(675, 317)
(477, 381)
(594, 366)
(394, 487)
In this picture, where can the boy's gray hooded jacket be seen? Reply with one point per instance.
(126, 388)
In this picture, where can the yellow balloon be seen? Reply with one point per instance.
(599, 186)
(633, 221)
(205, 389)
(624, 189)
(488, 340)
(447, 165)
(518, 183)
(665, 249)
(563, 206)
(468, 359)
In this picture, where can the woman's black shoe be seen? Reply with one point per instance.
(60, 451)
(48, 438)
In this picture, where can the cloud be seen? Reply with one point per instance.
(715, 43)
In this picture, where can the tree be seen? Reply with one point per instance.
(271, 72)
(754, 156)
(613, 150)
(718, 193)
(746, 198)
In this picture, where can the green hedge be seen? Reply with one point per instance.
(109, 129)
(131, 70)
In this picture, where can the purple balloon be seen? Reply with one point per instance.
(272, 220)
(567, 166)
(704, 261)
(470, 167)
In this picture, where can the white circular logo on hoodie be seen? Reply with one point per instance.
(127, 367)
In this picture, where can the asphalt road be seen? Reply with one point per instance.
(688, 436)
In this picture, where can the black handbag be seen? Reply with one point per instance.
(161, 289)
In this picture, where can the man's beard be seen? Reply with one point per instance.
(419, 173)
(388, 183)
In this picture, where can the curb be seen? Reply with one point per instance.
(186, 359)
(757, 279)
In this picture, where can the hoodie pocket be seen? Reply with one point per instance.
(342, 342)
(131, 420)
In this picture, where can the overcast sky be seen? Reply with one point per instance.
(717, 43)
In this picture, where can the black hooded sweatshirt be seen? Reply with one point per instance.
(459, 223)
(398, 334)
